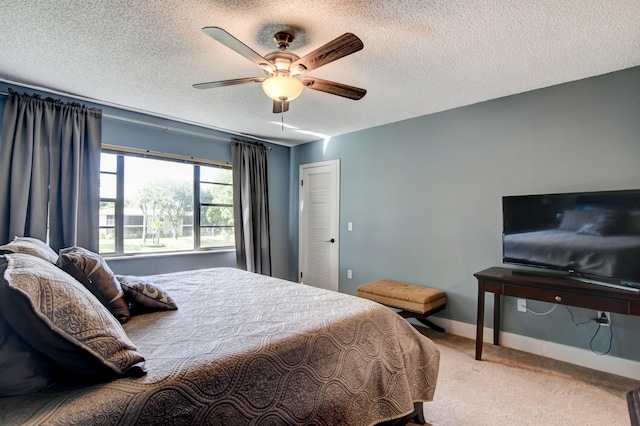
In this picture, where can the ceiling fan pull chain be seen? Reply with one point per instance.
(282, 100)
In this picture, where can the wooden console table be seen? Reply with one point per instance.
(565, 291)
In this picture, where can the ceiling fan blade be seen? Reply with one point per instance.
(334, 88)
(236, 45)
(280, 106)
(344, 45)
(223, 83)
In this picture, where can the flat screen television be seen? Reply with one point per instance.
(590, 235)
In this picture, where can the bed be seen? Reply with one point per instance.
(243, 348)
(613, 256)
(605, 243)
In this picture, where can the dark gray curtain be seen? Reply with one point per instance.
(251, 206)
(50, 171)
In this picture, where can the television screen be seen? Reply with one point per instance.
(595, 235)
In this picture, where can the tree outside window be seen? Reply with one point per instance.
(162, 206)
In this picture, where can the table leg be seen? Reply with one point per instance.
(480, 320)
(497, 308)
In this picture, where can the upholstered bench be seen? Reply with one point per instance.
(414, 301)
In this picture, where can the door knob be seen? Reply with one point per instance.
(331, 241)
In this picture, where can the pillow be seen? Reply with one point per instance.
(24, 369)
(93, 272)
(573, 220)
(144, 296)
(593, 229)
(633, 223)
(607, 223)
(56, 315)
(612, 222)
(32, 246)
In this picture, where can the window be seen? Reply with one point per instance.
(154, 204)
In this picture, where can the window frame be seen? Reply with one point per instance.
(197, 209)
(119, 201)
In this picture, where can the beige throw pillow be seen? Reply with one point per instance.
(59, 317)
(32, 246)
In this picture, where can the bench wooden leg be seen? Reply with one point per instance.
(423, 318)
(430, 324)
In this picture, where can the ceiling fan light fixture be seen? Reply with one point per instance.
(279, 87)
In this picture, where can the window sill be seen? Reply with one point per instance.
(117, 257)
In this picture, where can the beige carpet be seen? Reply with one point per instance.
(510, 387)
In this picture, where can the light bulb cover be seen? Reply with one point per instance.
(279, 87)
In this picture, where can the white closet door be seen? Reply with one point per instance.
(319, 224)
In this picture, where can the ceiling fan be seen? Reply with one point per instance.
(282, 67)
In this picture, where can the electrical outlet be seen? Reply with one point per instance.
(522, 305)
(349, 274)
(604, 318)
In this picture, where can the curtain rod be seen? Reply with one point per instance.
(146, 153)
(166, 129)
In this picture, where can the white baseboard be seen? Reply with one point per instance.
(582, 357)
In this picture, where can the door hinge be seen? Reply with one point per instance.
(300, 275)
(301, 182)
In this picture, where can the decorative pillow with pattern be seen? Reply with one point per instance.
(32, 246)
(145, 296)
(59, 317)
(93, 272)
(24, 369)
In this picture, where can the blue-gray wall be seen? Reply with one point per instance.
(127, 134)
(424, 195)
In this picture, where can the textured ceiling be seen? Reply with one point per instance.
(419, 57)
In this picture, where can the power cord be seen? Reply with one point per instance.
(542, 313)
(610, 340)
(574, 321)
(597, 320)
